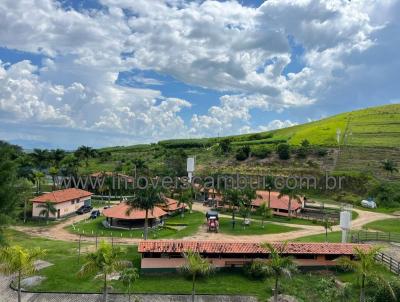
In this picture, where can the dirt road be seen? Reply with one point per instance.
(58, 231)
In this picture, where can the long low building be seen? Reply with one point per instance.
(279, 206)
(158, 255)
(66, 202)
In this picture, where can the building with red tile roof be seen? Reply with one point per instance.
(65, 201)
(171, 206)
(167, 254)
(279, 206)
(123, 216)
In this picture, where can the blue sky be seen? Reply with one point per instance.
(115, 72)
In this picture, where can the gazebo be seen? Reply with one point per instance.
(119, 216)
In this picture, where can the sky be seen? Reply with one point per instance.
(122, 72)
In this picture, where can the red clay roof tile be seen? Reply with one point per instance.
(179, 246)
(120, 212)
(62, 195)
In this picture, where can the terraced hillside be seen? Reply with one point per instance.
(367, 137)
(372, 127)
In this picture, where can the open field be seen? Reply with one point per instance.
(386, 225)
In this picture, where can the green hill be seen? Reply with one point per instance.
(367, 137)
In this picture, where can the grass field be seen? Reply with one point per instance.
(386, 225)
(255, 228)
(62, 276)
(190, 224)
(332, 237)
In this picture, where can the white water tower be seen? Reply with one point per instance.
(190, 163)
(345, 220)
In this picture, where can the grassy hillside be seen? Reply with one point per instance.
(367, 137)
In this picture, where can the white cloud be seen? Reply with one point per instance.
(224, 46)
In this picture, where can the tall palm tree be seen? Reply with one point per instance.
(196, 266)
(327, 224)
(232, 197)
(20, 261)
(265, 212)
(292, 194)
(390, 166)
(57, 156)
(186, 198)
(247, 195)
(40, 158)
(38, 176)
(128, 277)
(85, 153)
(145, 199)
(47, 209)
(53, 171)
(105, 261)
(70, 165)
(269, 186)
(366, 268)
(278, 266)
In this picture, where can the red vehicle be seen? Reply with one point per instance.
(212, 221)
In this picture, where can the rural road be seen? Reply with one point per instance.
(57, 232)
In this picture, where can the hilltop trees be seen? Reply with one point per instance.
(85, 153)
(13, 190)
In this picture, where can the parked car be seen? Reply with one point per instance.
(369, 204)
(95, 214)
(84, 209)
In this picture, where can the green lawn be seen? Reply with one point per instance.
(332, 237)
(255, 227)
(386, 225)
(175, 227)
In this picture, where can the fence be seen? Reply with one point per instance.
(392, 264)
(361, 236)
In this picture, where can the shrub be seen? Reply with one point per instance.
(283, 151)
(321, 152)
(255, 270)
(241, 155)
(382, 293)
(225, 145)
(261, 152)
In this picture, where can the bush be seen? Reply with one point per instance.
(283, 151)
(240, 155)
(386, 194)
(321, 152)
(382, 293)
(261, 152)
(243, 153)
(255, 270)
